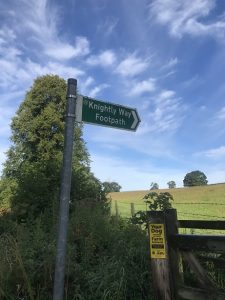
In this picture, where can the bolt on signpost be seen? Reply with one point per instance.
(92, 111)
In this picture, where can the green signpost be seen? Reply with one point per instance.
(92, 111)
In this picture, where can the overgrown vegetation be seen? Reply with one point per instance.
(107, 257)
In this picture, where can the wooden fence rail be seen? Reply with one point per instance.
(196, 224)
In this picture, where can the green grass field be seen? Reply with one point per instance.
(195, 203)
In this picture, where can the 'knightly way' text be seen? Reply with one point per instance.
(109, 114)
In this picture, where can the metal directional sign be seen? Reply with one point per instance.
(107, 114)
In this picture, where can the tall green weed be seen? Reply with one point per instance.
(107, 258)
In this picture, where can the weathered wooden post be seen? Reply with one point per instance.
(160, 267)
(132, 209)
(175, 261)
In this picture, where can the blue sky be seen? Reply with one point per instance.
(164, 57)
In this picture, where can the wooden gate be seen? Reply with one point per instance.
(171, 253)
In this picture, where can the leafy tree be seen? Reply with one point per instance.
(110, 187)
(171, 184)
(195, 178)
(35, 158)
(154, 186)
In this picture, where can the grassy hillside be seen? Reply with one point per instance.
(199, 203)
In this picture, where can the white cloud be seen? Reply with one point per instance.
(215, 153)
(39, 18)
(166, 94)
(168, 113)
(104, 59)
(143, 87)
(62, 51)
(97, 89)
(89, 87)
(6, 33)
(85, 84)
(7, 112)
(16, 72)
(184, 18)
(107, 26)
(221, 114)
(132, 65)
(39, 22)
(62, 70)
(171, 63)
(193, 81)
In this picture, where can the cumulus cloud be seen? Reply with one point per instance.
(62, 51)
(144, 86)
(132, 65)
(166, 94)
(181, 17)
(104, 59)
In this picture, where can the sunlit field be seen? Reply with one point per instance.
(195, 203)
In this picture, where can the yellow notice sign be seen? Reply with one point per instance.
(157, 241)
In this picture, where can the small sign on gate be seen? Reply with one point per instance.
(157, 241)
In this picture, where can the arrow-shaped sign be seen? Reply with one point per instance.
(97, 112)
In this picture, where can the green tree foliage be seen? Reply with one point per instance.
(154, 186)
(110, 187)
(171, 184)
(195, 178)
(35, 158)
(159, 201)
(155, 201)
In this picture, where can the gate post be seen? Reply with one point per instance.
(175, 262)
(159, 257)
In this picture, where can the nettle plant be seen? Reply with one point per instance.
(159, 201)
(155, 201)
